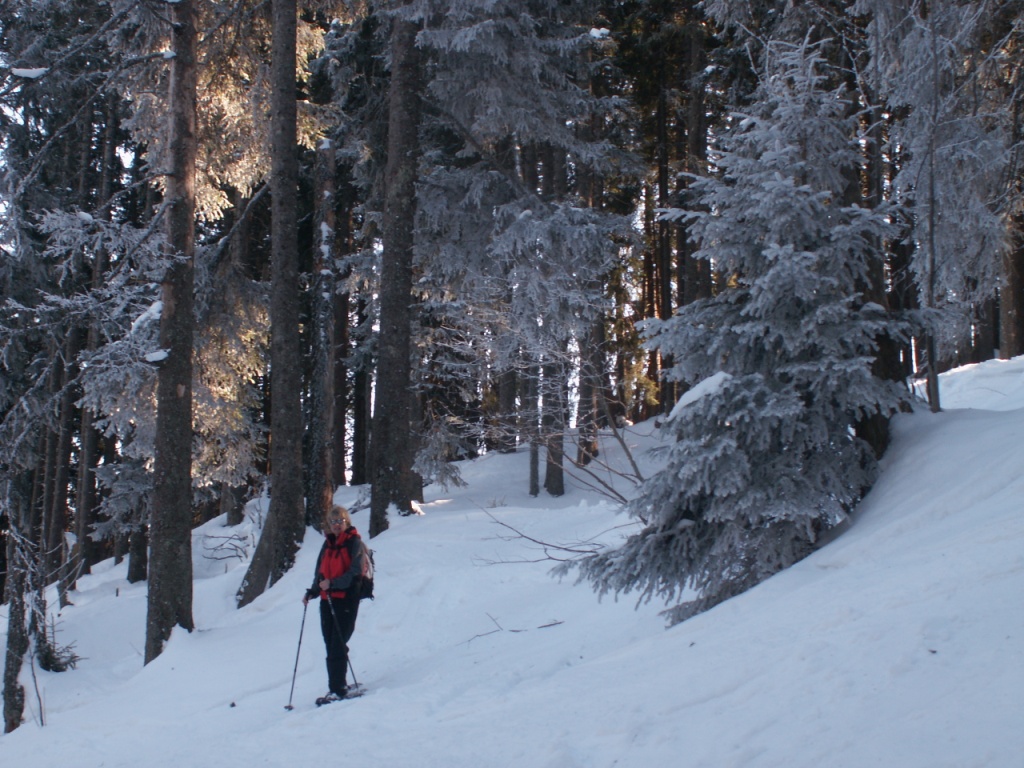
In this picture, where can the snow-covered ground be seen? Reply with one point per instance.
(900, 644)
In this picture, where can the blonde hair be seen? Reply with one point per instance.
(337, 511)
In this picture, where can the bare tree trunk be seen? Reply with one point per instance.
(930, 346)
(170, 574)
(697, 274)
(392, 457)
(361, 416)
(86, 552)
(508, 385)
(553, 426)
(138, 556)
(285, 525)
(231, 504)
(342, 389)
(1011, 297)
(531, 422)
(984, 346)
(53, 551)
(591, 383)
(16, 588)
(869, 192)
(664, 256)
(321, 459)
(56, 543)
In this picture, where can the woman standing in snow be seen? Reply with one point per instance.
(336, 581)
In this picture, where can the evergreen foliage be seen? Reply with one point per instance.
(514, 249)
(805, 196)
(953, 139)
(762, 458)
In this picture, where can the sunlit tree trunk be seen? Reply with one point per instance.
(285, 525)
(170, 563)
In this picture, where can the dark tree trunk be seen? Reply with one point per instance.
(322, 427)
(87, 551)
(392, 418)
(342, 393)
(285, 524)
(696, 274)
(138, 555)
(646, 409)
(531, 423)
(553, 426)
(58, 455)
(342, 389)
(984, 346)
(56, 548)
(361, 417)
(664, 257)
(870, 192)
(591, 384)
(16, 588)
(507, 390)
(232, 504)
(170, 574)
(1011, 297)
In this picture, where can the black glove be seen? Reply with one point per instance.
(312, 593)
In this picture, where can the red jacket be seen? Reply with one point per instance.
(340, 562)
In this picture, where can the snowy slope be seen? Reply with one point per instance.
(900, 644)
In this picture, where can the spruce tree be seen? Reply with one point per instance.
(761, 456)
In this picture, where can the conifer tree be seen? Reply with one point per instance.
(514, 243)
(762, 459)
(951, 138)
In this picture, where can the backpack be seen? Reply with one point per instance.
(365, 588)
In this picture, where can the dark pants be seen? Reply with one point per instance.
(337, 628)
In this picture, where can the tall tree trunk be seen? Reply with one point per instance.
(646, 409)
(16, 589)
(56, 541)
(553, 425)
(170, 573)
(342, 340)
(137, 543)
(58, 457)
(392, 456)
(1011, 297)
(867, 189)
(696, 274)
(531, 421)
(321, 459)
(87, 552)
(664, 258)
(342, 393)
(984, 342)
(930, 345)
(508, 386)
(591, 393)
(285, 524)
(361, 416)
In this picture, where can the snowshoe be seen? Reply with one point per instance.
(329, 698)
(352, 692)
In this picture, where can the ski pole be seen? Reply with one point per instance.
(353, 670)
(302, 628)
